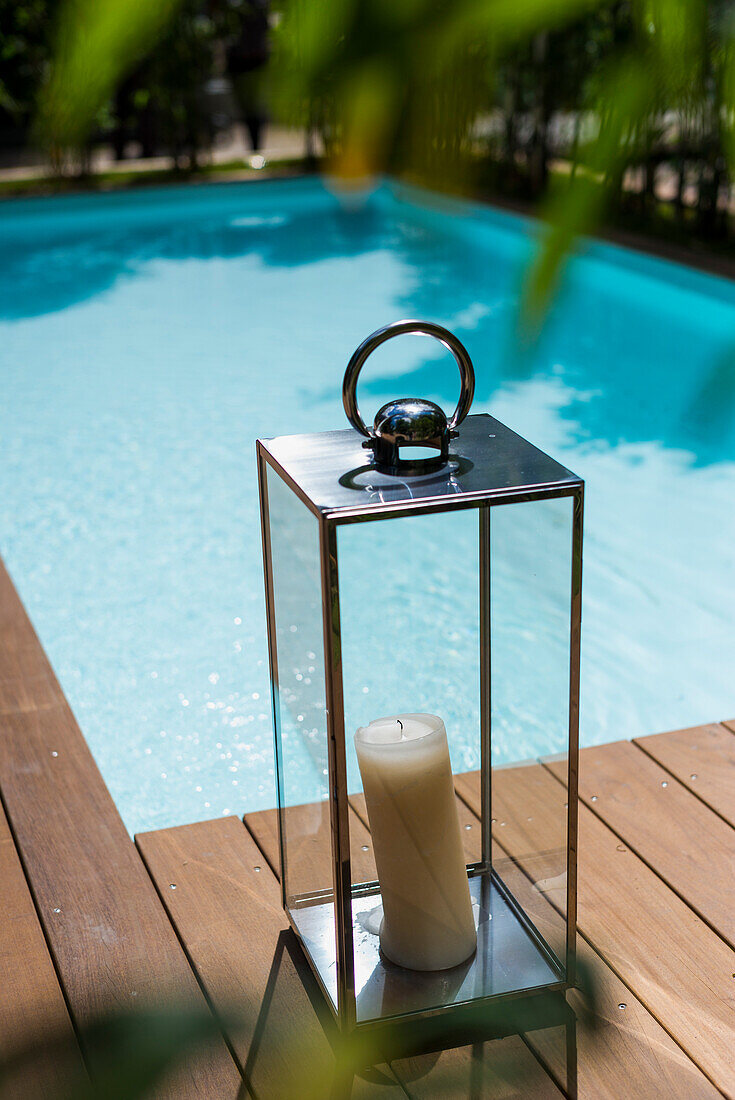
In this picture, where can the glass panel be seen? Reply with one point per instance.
(531, 546)
(410, 628)
(410, 610)
(409, 590)
(301, 735)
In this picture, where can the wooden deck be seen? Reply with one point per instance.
(90, 920)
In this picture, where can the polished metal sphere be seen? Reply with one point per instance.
(410, 420)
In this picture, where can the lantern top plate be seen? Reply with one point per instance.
(332, 474)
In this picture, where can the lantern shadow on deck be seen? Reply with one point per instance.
(345, 545)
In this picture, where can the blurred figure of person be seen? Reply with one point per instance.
(247, 58)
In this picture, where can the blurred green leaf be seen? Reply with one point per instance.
(578, 209)
(667, 68)
(97, 42)
(128, 1053)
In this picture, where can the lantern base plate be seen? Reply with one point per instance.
(512, 958)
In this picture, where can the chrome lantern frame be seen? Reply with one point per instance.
(482, 466)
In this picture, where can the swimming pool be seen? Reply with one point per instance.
(147, 338)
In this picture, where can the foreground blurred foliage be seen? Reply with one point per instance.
(636, 83)
(127, 1054)
(619, 109)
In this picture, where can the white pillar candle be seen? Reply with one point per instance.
(406, 774)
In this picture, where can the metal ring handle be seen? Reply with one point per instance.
(398, 328)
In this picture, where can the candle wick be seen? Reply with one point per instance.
(400, 723)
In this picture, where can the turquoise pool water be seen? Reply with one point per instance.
(147, 339)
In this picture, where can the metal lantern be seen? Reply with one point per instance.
(425, 566)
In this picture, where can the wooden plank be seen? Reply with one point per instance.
(226, 907)
(673, 832)
(624, 1051)
(676, 965)
(503, 1069)
(32, 1008)
(308, 846)
(526, 823)
(703, 759)
(111, 941)
(643, 932)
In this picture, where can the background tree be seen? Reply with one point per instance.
(594, 108)
(25, 51)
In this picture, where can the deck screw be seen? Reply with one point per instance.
(593, 798)
(172, 886)
(664, 783)
(622, 1005)
(55, 753)
(256, 868)
(693, 775)
(57, 910)
(468, 826)
(622, 848)
(366, 847)
(502, 823)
